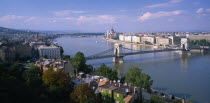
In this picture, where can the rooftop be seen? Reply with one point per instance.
(128, 98)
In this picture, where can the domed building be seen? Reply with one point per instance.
(111, 34)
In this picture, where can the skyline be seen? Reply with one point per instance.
(102, 15)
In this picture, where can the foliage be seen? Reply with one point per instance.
(156, 99)
(79, 63)
(90, 101)
(33, 75)
(79, 60)
(107, 99)
(56, 78)
(135, 77)
(107, 72)
(20, 85)
(146, 42)
(31, 64)
(202, 42)
(13, 88)
(66, 57)
(82, 93)
(61, 49)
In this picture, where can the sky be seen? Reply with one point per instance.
(102, 15)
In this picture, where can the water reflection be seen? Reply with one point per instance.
(184, 62)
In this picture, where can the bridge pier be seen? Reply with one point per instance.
(118, 60)
(185, 52)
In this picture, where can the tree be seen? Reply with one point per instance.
(90, 101)
(156, 99)
(107, 72)
(33, 75)
(66, 57)
(138, 79)
(61, 49)
(13, 88)
(82, 93)
(56, 78)
(79, 61)
(57, 83)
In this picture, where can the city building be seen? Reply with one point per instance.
(36, 43)
(111, 34)
(23, 51)
(56, 64)
(7, 54)
(120, 93)
(175, 40)
(136, 39)
(128, 38)
(121, 37)
(199, 37)
(163, 41)
(49, 52)
(148, 39)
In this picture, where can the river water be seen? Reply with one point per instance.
(187, 76)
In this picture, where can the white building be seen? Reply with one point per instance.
(163, 41)
(121, 38)
(50, 52)
(148, 39)
(128, 38)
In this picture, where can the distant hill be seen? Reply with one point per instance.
(4, 30)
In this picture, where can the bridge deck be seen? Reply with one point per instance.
(131, 53)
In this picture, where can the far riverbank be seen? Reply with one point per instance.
(123, 42)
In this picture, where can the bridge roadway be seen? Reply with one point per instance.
(131, 53)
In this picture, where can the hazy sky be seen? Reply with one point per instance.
(101, 15)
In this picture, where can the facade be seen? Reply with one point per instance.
(7, 54)
(199, 37)
(138, 39)
(49, 52)
(128, 38)
(148, 39)
(24, 51)
(111, 34)
(175, 40)
(121, 38)
(163, 41)
(56, 64)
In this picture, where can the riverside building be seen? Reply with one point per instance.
(49, 52)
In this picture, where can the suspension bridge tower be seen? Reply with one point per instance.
(185, 46)
(118, 58)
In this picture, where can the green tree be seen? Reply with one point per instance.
(58, 84)
(33, 75)
(82, 93)
(78, 62)
(61, 49)
(107, 72)
(56, 78)
(156, 99)
(135, 77)
(66, 57)
(90, 101)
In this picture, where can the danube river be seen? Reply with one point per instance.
(187, 77)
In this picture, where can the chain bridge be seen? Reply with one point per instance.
(120, 51)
